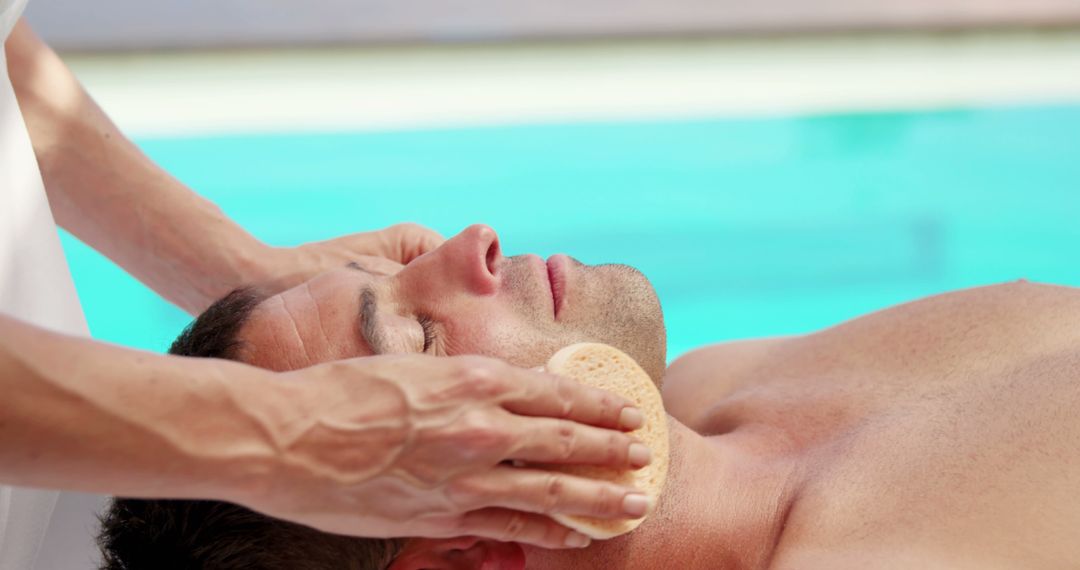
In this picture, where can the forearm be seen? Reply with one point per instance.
(85, 416)
(104, 190)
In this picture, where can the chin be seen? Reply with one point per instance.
(635, 322)
(652, 352)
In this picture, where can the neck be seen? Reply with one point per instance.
(723, 506)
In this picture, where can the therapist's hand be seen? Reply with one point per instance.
(383, 251)
(413, 445)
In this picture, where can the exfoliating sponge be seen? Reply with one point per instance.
(608, 368)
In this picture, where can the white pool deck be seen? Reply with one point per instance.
(396, 87)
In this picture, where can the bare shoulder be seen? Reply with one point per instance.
(699, 379)
(1003, 321)
(1000, 304)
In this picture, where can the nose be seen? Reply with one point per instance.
(471, 259)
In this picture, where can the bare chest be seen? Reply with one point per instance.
(994, 488)
(941, 434)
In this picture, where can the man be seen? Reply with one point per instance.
(82, 416)
(937, 434)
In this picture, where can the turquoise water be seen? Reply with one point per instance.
(747, 227)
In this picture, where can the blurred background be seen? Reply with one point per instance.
(775, 167)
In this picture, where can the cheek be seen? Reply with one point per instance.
(476, 331)
(501, 335)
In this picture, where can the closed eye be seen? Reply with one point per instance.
(428, 324)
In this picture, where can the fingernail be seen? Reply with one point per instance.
(640, 456)
(635, 505)
(631, 418)
(577, 540)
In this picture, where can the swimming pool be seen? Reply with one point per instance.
(747, 227)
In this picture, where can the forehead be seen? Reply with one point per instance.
(314, 322)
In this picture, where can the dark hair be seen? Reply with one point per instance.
(213, 333)
(154, 534)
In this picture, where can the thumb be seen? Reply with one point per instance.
(414, 240)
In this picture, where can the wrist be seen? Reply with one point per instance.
(255, 262)
(248, 457)
(333, 423)
(247, 262)
(281, 268)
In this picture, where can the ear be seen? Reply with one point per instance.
(463, 553)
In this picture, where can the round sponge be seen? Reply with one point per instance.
(608, 368)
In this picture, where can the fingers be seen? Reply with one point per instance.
(414, 240)
(547, 440)
(554, 396)
(546, 492)
(514, 526)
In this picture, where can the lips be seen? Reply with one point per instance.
(556, 267)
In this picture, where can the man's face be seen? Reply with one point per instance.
(462, 298)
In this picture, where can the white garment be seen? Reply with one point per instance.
(35, 286)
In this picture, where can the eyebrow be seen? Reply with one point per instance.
(369, 328)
